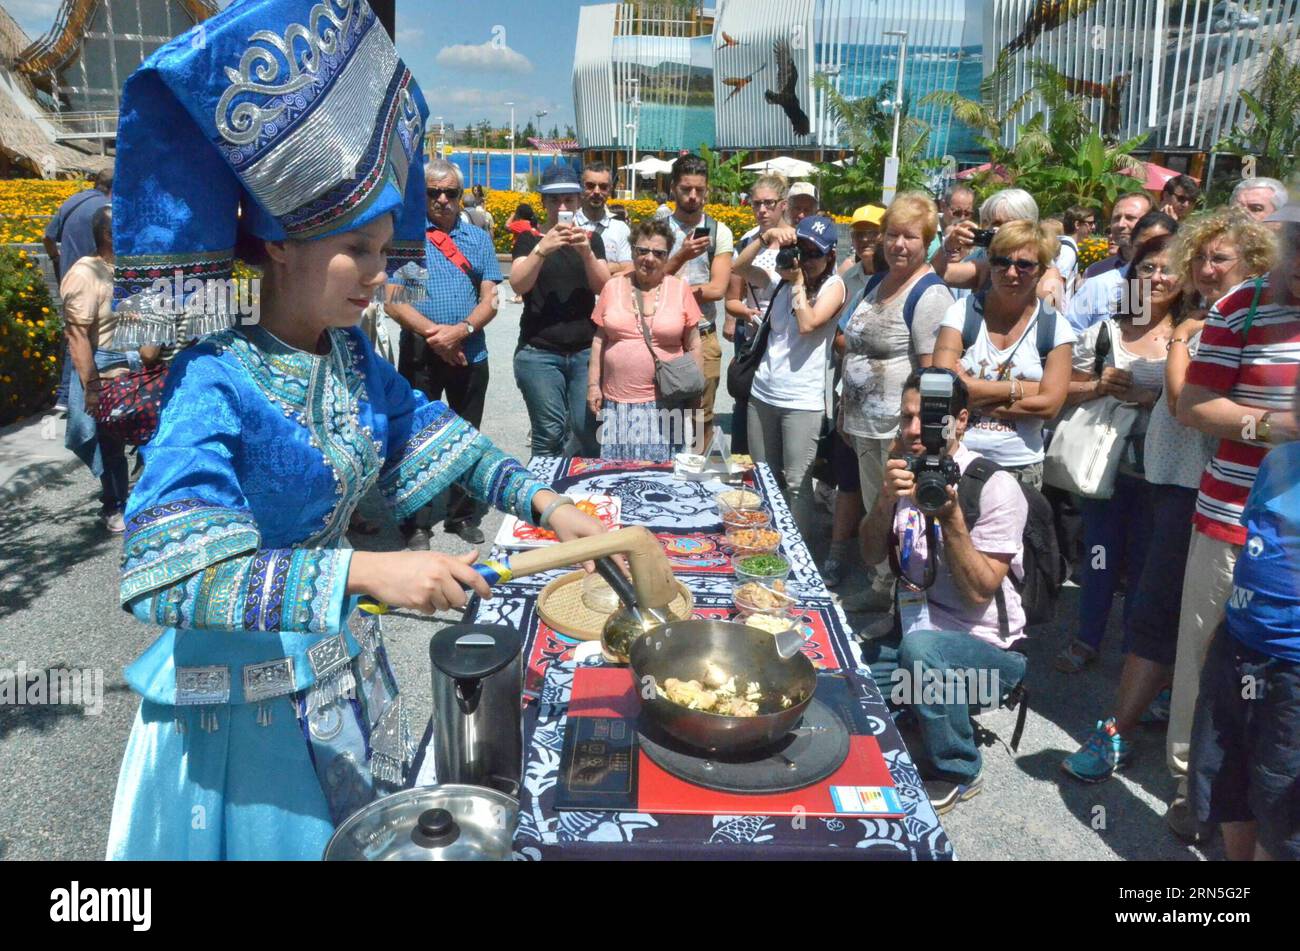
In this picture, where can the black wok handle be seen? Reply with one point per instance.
(619, 582)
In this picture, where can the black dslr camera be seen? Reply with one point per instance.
(788, 258)
(935, 470)
(984, 237)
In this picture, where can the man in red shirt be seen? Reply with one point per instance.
(1239, 388)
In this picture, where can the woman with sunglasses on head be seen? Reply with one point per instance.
(1117, 530)
(621, 392)
(1013, 350)
(787, 402)
(1212, 254)
(753, 279)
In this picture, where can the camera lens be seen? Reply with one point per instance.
(931, 491)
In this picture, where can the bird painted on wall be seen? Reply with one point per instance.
(739, 83)
(728, 40)
(787, 78)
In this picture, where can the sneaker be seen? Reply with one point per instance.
(419, 540)
(1158, 712)
(944, 795)
(1104, 753)
(1074, 656)
(877, 629)
(833, 572)
(471, 534)
(115, 523)
(868, 601)
(1182, 822)
(824, 496)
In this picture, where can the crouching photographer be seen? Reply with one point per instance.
(952, 525)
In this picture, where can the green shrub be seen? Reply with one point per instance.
(31, 337)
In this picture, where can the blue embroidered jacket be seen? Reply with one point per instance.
(261, 455)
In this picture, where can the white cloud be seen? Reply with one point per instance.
(404, 36)
(490, 56)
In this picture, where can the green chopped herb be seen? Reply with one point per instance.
(764, 565)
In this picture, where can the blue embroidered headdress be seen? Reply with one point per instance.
(274, 118)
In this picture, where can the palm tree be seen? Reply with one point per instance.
(1273, 133)
(1057, 152)
(868, 133)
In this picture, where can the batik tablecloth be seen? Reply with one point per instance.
(685, 517)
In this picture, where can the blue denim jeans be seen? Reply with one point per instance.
(1116, 533)
(948, 750)
(554, 386)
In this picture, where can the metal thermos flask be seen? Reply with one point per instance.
(477, 706)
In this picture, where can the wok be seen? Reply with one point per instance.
(684, 649)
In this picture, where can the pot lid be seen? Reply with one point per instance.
(474, 651)
(448, 823)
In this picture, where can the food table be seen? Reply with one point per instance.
(684, 516)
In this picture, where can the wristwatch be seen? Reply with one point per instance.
(468, 326)
(1264, 427)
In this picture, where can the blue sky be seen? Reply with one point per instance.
(469, 56)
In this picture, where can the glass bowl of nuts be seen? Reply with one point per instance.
(753, 541)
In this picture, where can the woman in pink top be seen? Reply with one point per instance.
(621, 380)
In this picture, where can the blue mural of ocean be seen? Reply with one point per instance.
(864, 68)
(674, 127)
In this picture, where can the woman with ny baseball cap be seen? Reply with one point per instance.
(788, 400)
(269, 712)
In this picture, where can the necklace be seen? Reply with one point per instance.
(638, 300)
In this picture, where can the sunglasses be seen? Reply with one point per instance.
(657, 252)
(765, 202)
(451, 193)
(1022, 265)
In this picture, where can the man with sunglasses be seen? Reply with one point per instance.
(442, 313)
(594, 217)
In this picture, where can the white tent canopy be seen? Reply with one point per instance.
(785, 165)
(649, 167)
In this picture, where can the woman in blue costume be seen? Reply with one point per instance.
(269, 711)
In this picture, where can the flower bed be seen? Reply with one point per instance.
(27, 203)
(31, 337)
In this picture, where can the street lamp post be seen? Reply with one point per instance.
(891, 164)
(635, 104)
(512, 145)
(540, 116)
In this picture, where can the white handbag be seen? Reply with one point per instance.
(1085, 451)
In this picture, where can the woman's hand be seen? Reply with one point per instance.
(780, 237)
(594, 402)
(570, 522)
(1115, 382)
(424, 581)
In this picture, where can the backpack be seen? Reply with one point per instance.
(1043, 569)
(923, 284)
(1045, 319)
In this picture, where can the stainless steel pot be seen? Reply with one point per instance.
(451, 823)
(685, 650)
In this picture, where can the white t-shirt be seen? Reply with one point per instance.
(793, 372)
(1008, 443)
(615, 234)
(698, 270)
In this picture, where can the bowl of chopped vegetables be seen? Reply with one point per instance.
(753, 541)
(764, 569)
(735, 520)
